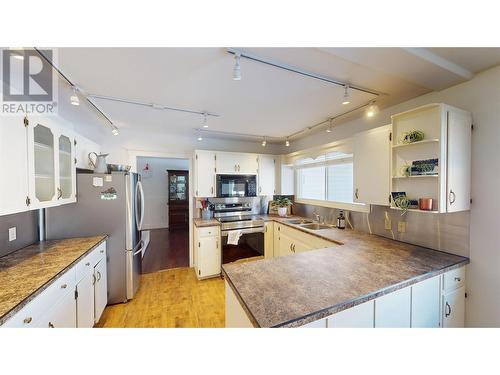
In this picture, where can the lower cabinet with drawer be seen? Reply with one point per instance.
(76, 299)
(207, 252)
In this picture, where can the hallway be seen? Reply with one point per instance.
(166, 250)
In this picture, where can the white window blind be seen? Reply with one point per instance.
(327, 177)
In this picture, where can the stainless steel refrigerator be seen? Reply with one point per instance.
(107, 204)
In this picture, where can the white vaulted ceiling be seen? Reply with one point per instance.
(267, 101)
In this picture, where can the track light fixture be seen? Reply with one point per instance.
(287, 142)
(199, 138)
(346, 99)
(115, 131)
(237, 67)
(74, 98)
(330, 126)
(264, 142)
(205, 115)
(371, 110)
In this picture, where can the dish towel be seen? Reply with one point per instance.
(233, 237)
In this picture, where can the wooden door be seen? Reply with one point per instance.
(372, 161)
(205, 174)
(14, 166)
(458, 167)
(267, 173)
(178, 199)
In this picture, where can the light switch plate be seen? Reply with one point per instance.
(97, 181)
(12, 234)
(402, 226)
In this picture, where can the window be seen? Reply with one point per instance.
(328, 177)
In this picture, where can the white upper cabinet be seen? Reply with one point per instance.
(267, 174)
(236, 163)
(447, 141)
(372, 171)
(204, 173)
(66, 190)
(14, 164)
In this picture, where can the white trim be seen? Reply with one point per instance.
(134, 154)
(357, 207)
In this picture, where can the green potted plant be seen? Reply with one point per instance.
(283, 204)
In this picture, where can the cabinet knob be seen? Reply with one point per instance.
(64, 286)
(102, 251)
(27, 320)
(458, 279)
(51, 325)
(87, 264)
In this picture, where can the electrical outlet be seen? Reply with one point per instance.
(388, 223)
(12, 234)
(402, 226)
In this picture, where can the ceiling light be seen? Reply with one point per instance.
(115, 131)
(330, 126)
(237, 67)
(74, 98)
(372, 110)
(200, 138)
(264, 142)
(346, 99)
(287, 142)
(205, 125)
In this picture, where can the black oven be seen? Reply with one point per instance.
(230, 186)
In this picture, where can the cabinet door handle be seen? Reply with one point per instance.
(27, 320)
(87, 264)
(64, 286)
(59, 193)
(212, 189)
(356, 195)
(102, 251)
(217, 244)
(294, 248)
(452, 196)
(98, 276)
(447, 313)
(238, 167)
(93, 279)
(51, 325)
(458, 279)
(260, 189)
(235, 167)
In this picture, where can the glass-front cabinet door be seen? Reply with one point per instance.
(66, 189)
(43, 162)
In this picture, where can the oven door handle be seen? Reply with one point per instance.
(224, 233)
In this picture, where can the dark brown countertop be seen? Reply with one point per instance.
(200, 223)
(27, 272)
(294, 290)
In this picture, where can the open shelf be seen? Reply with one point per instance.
(415, 210)
(418, 176)
(425, 141)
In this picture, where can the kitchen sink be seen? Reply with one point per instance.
(316, 226)
(299, 221)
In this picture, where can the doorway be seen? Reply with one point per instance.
(166, 219)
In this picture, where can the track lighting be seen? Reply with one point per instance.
(330, 126)
(287, 142)
(346, 99)
(372, 110)
(237, 67)
(264, 142)
(205, 125)
(74, 98)
(115, 131)
(200, 138)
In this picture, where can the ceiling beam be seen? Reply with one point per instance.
(443, 63)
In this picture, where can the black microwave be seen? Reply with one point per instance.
(231, 185)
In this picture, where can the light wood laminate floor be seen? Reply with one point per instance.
(168, 299)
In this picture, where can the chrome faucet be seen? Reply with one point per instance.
(316, 216)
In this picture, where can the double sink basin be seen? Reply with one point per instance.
(309, 224)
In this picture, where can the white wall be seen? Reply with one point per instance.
(481, 96)
(156, 189)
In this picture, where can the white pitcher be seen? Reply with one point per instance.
(99, 164)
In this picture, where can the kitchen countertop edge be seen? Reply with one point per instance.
(37, 292)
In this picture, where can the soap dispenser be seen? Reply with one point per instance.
(341, 220)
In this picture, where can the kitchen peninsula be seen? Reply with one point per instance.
(368, 281)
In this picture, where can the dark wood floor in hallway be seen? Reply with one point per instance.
(166, 250)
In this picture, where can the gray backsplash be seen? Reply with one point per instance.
(445, 232)
(26, 224)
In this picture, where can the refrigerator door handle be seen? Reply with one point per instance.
(139, 218)
(141, 244)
